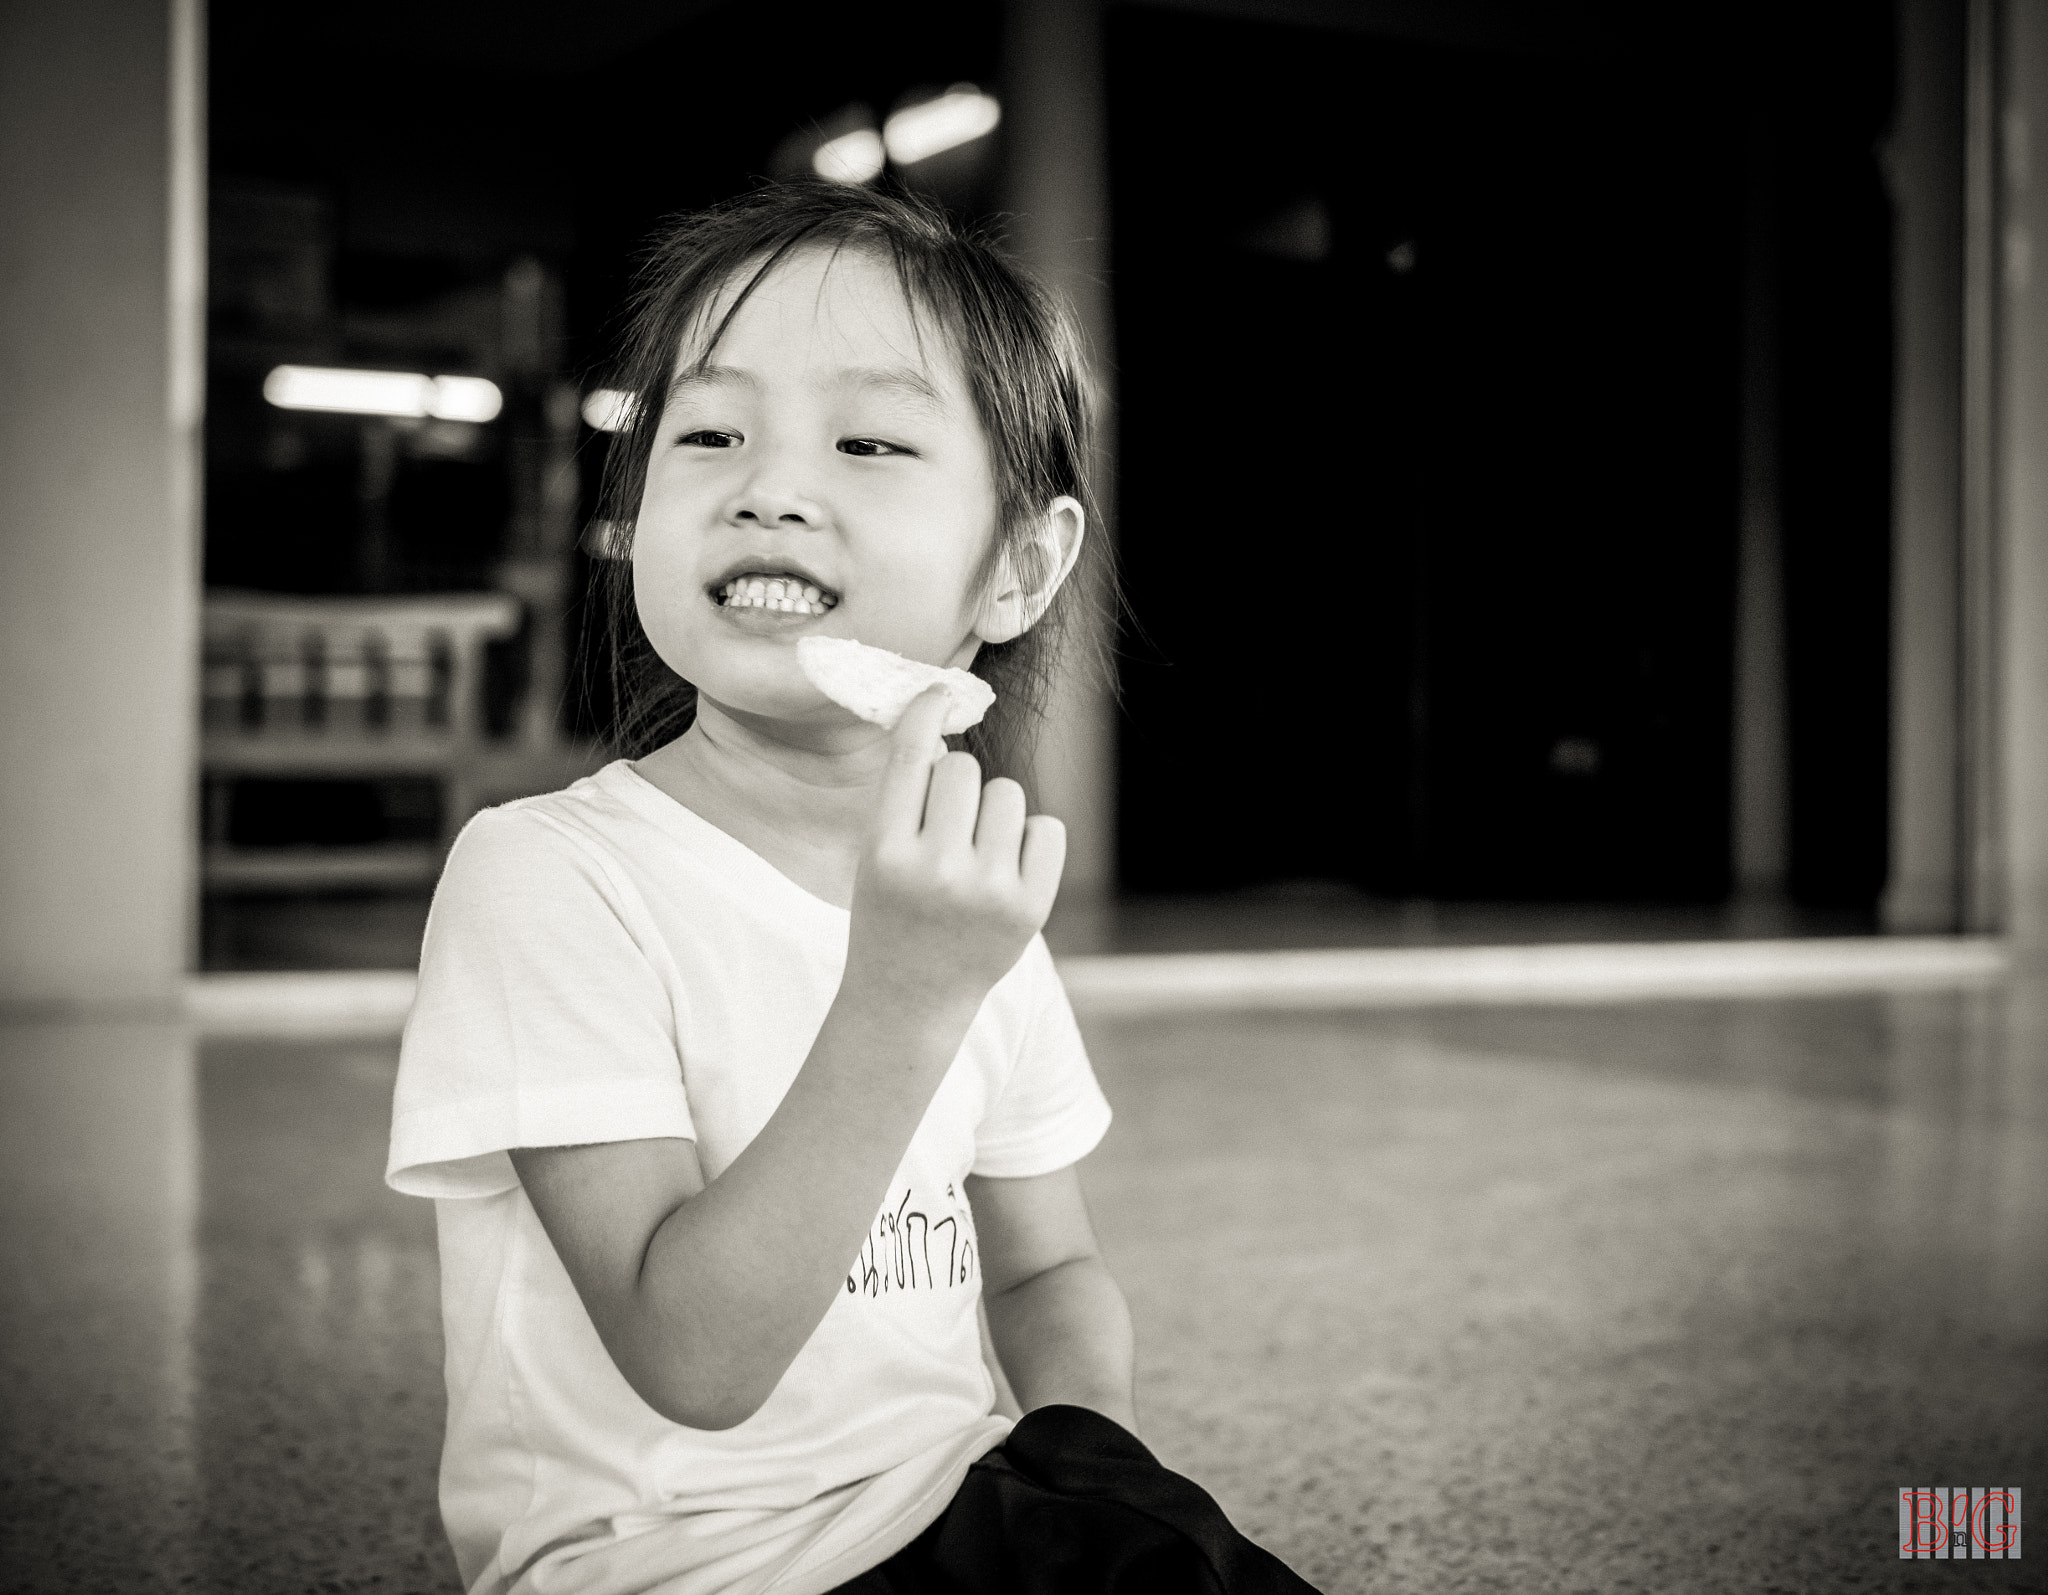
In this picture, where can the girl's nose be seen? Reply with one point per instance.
(773, 495)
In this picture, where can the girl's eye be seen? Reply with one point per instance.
(869, 448)
(710, 439)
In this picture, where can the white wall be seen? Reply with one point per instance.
(100, 193)
(1057, 196)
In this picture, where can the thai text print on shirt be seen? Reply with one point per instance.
(917, 1245)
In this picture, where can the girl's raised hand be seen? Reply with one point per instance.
(954, 880)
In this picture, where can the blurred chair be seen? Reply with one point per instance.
(343, 689)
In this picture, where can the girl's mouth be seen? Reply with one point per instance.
(773, 595)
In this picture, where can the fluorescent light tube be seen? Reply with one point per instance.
(399, 393)
(851, 158)
(607, 410)
(465, 399)
(959, 116)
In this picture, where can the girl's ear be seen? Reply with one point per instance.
(1021, 595)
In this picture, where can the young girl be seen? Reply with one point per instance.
(739, 1070)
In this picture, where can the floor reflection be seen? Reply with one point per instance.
(99, 1163)
(1664, 1296)
(319, 1329)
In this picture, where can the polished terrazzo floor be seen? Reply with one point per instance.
(1654, 1297)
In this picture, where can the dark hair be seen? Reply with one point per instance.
(1022, 361)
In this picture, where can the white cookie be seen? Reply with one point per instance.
(878, 685)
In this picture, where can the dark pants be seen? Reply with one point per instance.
(1073, 1504)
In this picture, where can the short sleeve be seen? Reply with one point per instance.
(543, 1017)
(1051, 1112)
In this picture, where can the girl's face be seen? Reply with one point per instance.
(821, 446)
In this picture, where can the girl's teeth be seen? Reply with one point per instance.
(785, 595)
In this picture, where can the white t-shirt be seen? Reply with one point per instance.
(602, 964)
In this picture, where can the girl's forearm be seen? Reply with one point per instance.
(736, 1278)
(1064, 1336)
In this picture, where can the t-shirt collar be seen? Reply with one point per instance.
(679, 819)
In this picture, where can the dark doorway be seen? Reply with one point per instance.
(1824, 103)
(377, 172)
(1429, 395)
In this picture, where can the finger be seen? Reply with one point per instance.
(1044, 856)
(913, 748)
(950, 804)
(999, 828)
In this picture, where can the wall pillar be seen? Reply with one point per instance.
(102, 351)
(2021, 452)
(1924, 165)
(1057, 199)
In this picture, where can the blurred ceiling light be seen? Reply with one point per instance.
(959, 116)
(351, 392)
(855, 157)
(607, 410)
(465, 399)
(400, 393)
(607, 540)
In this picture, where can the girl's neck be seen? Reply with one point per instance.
(805, 809)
